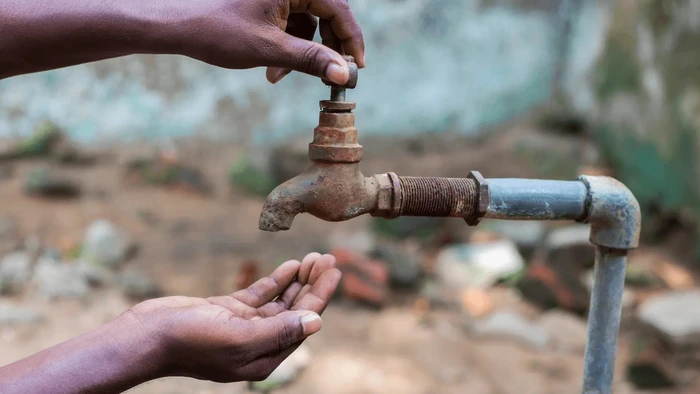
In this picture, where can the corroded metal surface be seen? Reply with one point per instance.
(439, 197)
(613, 213)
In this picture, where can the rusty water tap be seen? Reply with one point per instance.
(334, 189)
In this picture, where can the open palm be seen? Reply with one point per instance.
(247, 334)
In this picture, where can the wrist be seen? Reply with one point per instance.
(141, 351)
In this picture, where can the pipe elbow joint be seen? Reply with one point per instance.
(613, 213)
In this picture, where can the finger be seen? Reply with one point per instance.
(322, 264)
(307, 264)
(343, 24)
(275, 334)
(282, 303)
(318, 296)
(328, 38)
(283, 50)
(269, 287)
(275, 74)
(302, 25)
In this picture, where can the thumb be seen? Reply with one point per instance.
(274, 334)
(311, 58)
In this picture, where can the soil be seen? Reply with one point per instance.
(193, 245)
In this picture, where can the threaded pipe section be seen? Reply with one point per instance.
(437, 197)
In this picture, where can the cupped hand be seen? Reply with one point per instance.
(274, 33)
(243, 336)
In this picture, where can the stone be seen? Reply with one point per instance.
(137, 286)
(15, 271)
(512, 326)
(670, 314)
(11, 315)
(674, 276)
(44, 182)
(364, 280)
(286, 372)
(55, 279)
(568, 248)
(650, 366)
(96, 275)
(104, 244)
(568, 331)
(477, 302)
(547, 288)
(527, 234)
(479, 265)
(405, 269)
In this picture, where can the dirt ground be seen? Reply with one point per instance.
(194, 245)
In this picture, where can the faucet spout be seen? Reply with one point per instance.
(332, 192)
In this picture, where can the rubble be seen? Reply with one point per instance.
(104, 244)
(364, 280)
(46, 183)
(511, 325)
(15, 271)
(478, 265)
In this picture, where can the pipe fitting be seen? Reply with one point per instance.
(613, 213)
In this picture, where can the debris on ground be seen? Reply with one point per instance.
(569, 248)
(650, 366)
(671, 315)
(547, 288)
(56, 279)
(137, 286)
(526, 234)
(674, 276)
(45, 182)
(15, 271)
(104, 244)
(12, 315)
(403, 263)
(164, 172)
(512, 326)
(478, 265)
(568, 331)
(476, 301)
(364, 280)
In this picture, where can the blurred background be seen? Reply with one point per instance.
(144, 176)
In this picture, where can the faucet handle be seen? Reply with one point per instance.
(352, 82)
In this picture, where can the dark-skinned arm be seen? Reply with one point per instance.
(243, 336)
(38, 35)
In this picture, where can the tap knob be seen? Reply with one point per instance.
(338, 91)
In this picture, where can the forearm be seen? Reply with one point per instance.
(110, 359)
(48, 34)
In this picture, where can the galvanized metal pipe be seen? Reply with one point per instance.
(604, 320)
(532, 199)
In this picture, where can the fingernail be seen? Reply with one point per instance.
(311, 323)
(278, 74)
(336, 73)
